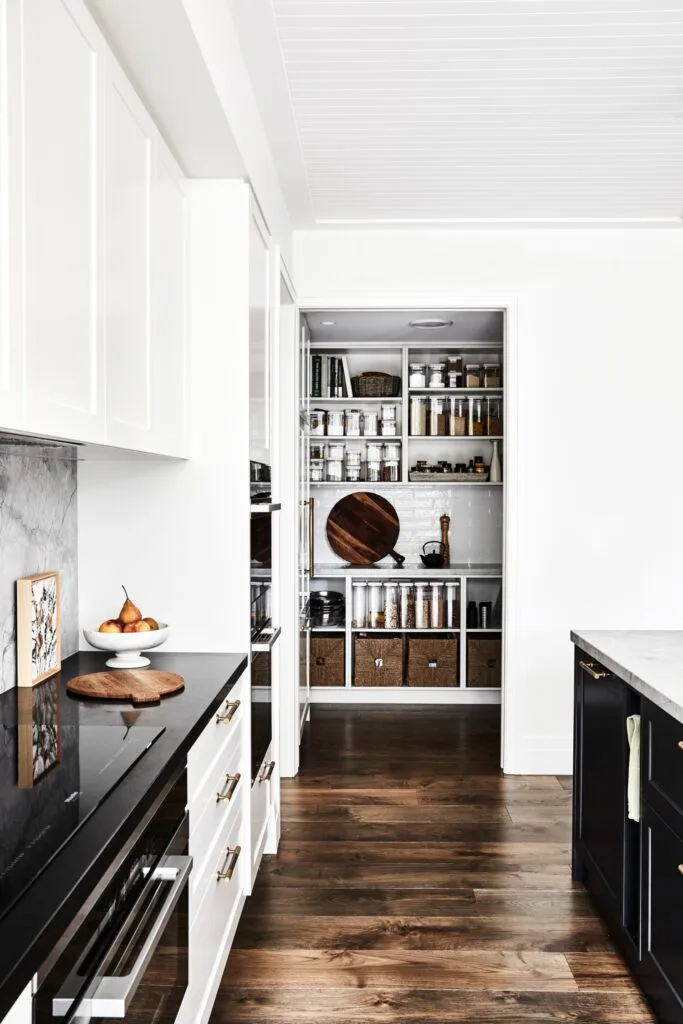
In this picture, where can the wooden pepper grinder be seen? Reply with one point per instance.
(445, 525)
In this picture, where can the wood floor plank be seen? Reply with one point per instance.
(511, 857)
(438, 876)
(600, 972)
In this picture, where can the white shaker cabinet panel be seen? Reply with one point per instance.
(22, 1011)
(63, 72)
(128, 321)
(259, 340)
(12, 411)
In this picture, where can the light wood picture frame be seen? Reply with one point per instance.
(39, 642)
(39, 732)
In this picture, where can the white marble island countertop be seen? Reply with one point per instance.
(649, 661)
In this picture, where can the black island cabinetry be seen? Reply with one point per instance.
(632, 870)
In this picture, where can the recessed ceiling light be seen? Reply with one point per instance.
(327, 323)
(431, 324)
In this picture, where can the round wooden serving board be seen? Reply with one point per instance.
(139, 686)
(363, 528)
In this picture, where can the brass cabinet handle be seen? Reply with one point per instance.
(267, 772)
(680, 744)
(590, 668)
(680, 869)
(310, 504)
(228, 791)
(229, 864)
(229, 711)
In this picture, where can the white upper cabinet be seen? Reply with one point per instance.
(259, 339)
(63, 73)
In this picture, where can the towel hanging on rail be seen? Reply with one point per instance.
(633, 791)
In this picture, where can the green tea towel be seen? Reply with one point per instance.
(633, 733)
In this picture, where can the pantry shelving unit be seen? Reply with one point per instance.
(476, 581)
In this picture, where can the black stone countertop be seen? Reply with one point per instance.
(36, 920)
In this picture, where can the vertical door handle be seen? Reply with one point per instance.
(311, 535)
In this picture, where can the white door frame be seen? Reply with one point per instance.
(359, 300)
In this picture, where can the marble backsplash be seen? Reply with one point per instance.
(38, 533)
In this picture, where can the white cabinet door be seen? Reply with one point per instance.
(22, 1011)
(11, 339)
(169, 307)
(128, 211)
(63, 72)
(259, 340)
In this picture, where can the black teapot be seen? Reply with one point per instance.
(434, 558)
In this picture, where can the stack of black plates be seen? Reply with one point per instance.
(327, 608)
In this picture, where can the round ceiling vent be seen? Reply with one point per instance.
(431, 324)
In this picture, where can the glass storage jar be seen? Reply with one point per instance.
(391, 609)
(391, 471)
(387, 428)
(452, 614)
(317, 471)
(388, 411)
(352, 422)
(437, 610)
(352, 474)
(335, 471)
(458, 409)
(437, 375)
(417, 377)
(316, 423)
(373, 472)
(335, 423)
(422, 617)
(455, 364)
(375, 609)
(407, 602)
(336, 450)
(359, 603)
(373, 451)
(494, 417)
(391, 451)
(492, 375)
(371, 424)
(477, 417)
(455, 378)
(418, 416)
(316, 450)
(354, 457)
(437, 416)
(473, 375)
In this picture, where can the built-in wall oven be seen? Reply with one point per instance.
(125, 957)
(264, 632)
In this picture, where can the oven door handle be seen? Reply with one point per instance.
(266, 640)
(112, 995)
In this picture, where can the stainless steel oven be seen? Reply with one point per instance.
(264, 632)
(125, 957)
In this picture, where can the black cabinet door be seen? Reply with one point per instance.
(663, 916)
(600, 809)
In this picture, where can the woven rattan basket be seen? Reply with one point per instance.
(379, 661)
(432, 661)
(484, 661)
(375, 385)
(327, 660)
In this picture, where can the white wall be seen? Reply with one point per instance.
(596, 527)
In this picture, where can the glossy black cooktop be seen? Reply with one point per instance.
(53, 774)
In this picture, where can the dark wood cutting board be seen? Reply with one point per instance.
(139, 686)
(363, 528)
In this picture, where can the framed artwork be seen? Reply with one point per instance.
(39, 652)
(40, 732)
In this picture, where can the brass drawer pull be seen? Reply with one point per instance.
(680, 869)
(228, 791)
(267, 772)
(229, 711)
(229, 864)
(680, 744)
(589, 667)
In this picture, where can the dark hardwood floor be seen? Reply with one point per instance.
(414, 883)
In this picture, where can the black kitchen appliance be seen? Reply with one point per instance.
(264, 635)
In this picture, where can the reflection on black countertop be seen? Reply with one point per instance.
(57, 832)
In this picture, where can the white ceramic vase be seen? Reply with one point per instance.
(495, 470)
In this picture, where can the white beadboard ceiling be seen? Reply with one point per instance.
(474, 110)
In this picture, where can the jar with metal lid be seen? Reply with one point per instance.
(455, 379)
(375, 606)
(455, 364)
(352, 422)
(316, 423)
(391, 608)
(407, 605)
(336, 451)
(418, 416)
(437, 375)
(335, 423)
(317, 474)
(492, 375)
(437, 603)
(373, 451)
(335, 471)
(422, 616)
(452, 611)
(387, 428)
(316, 450)
(359, 604)
(458, 418)
(477, 417)
(388, 411)
(473, 375)
(373, 472)
(391, 471)
(371, 424)
(417, 376)
(494, 417)
(391, 451)
(480, 469)
(437, 416)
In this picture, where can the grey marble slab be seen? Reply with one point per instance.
(650, 661)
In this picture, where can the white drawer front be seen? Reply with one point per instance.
(211, 816)
(221, 730)
(260, 809)
(217, 902)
